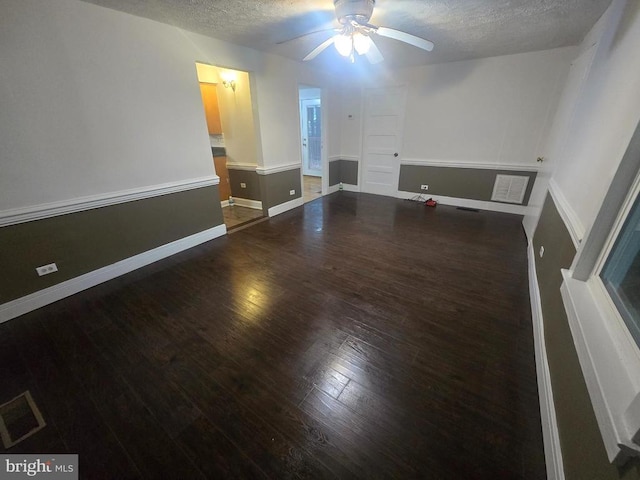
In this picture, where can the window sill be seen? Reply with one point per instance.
(610, 362)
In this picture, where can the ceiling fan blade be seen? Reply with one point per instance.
(406, 38)
(316, 51)
(373, 55)
(307, 34)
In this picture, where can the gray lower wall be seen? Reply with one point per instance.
(85, 241)
(275, 188)
(470, 183)
(349, 171)
(345, 171)
(335, 172)
(252, 181)
(583, 451)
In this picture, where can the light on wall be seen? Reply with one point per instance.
(229, 84)
(228, 80)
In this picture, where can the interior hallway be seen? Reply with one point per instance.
(311, 188)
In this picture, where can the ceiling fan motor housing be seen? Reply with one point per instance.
(358, 10)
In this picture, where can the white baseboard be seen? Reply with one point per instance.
(224, 203)
(347, 187)
(246, 202)
(283, 207)
(35, 300)
(550, 435)
(467, 203)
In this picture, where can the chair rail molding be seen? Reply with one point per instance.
(278, 168)
(249, 167)
(80, 204)
(469, 164)
(567, 213)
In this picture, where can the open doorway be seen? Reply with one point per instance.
(311, 141)
(226, 97)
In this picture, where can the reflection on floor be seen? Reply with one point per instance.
(235, 216)
(311, 188)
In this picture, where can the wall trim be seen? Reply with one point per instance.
(242, 166)
(568, 214)
(550, 434)
(278, 168)
(247, 202)
(80, 204)
(469, 164)
(284, 207)
(348, 187)
(224, 203)
(351, 158)
(468, 203)
(38, 299)
(609, 360)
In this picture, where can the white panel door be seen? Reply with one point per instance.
(383, 121)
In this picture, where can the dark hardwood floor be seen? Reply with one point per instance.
(356, 337)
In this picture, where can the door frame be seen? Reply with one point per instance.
(323, 135)
(403, 115)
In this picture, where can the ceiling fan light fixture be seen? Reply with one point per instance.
(344, 44)
(354, 36)
(362, 43)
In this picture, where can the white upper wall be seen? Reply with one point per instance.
(238, 124)
(350, 121)
(492, 110)
(604, 111)
(93, 101)
(96, 101)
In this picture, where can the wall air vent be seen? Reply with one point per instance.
(509, 188)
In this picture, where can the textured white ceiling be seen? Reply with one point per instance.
(460, 29)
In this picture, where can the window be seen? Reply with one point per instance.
(601, 296)
(621, 273)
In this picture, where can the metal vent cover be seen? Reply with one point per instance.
(509, 188)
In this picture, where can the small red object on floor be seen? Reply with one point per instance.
(431, 203)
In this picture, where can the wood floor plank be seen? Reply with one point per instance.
(267, 447)
(214, 454)
(64, 401)
(356, 337)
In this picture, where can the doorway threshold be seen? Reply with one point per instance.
(241, 226)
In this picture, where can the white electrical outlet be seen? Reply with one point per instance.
(541, 251)
(47, 269)
(424, 187)
(292, 192)
(243, 185)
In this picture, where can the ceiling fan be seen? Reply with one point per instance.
(355, 34)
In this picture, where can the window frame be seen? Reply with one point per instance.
(609, 355)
